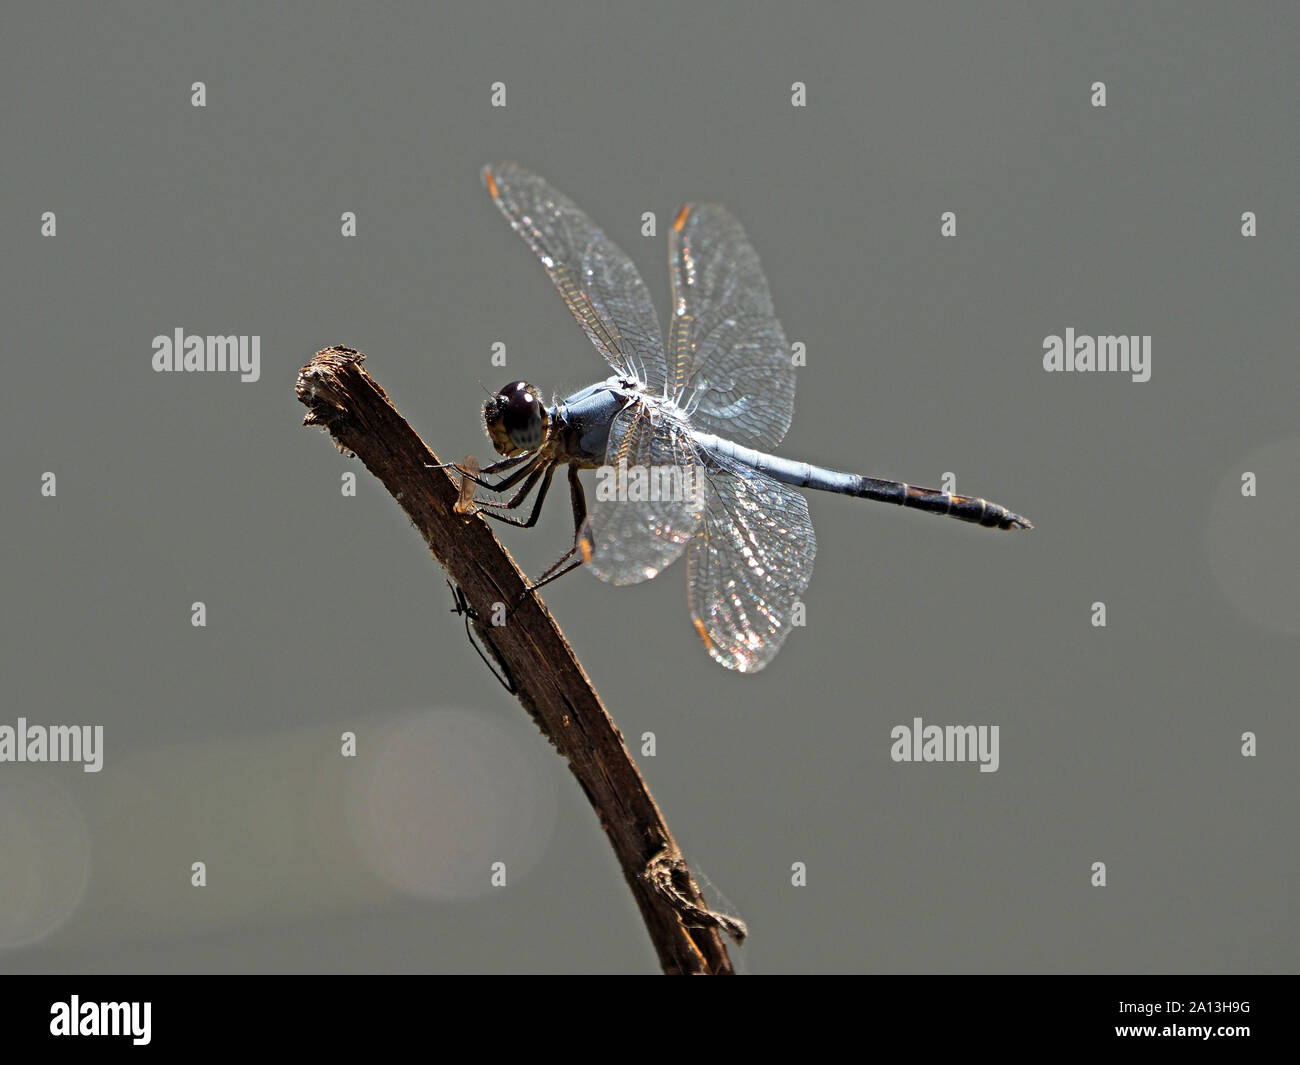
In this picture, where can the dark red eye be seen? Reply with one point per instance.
(515, 419)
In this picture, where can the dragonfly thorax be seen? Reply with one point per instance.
(515, 419)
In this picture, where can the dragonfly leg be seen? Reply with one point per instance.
(506, 483)
(581, 535)
(518, 499)
(463, 608)
(506, 464)
(486, 506)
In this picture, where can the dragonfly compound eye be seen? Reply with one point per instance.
(515, 418)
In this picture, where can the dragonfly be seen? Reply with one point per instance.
(680, 433)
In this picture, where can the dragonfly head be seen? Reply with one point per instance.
(515, 419)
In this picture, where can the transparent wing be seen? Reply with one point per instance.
(750, 562)
(730, 367)
(649, 497)
(598, 282)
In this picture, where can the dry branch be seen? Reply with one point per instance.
(553, 687)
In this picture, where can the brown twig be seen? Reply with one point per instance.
(554, 689)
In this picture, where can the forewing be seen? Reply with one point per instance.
(729, 367)
(749, 564)
(597, 280)
(644, 514)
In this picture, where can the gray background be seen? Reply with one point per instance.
(1119, 744)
